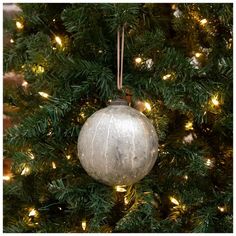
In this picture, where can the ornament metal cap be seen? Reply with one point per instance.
(119, 101)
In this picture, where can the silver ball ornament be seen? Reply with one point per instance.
(117, 145)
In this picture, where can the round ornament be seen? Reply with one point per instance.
(118, 145)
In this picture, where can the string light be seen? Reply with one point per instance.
(43, 94)
(120, 188)
(186, 177)
(58, 40)
(24, 84)
(25, 171)
(173, 7)
(31, 155)
(198, 54)
(54, 165)
(84, 224)
(221, 209)
(54, 20)
(38, 69)
(126, 201)
(173, 200)
(147, 106)
(203, 21)
(189, 125)
(33, 212)
(82, 115)
(209, 162)
(165, 77)
(215, 101)
(138, 60)
(6, 177)
(19, 25)
(12, 41)
(68, 157)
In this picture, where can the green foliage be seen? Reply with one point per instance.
(79, 75)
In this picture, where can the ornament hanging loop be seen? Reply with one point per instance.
(120, 56)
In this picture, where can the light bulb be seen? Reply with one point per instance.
(19, 25)
(173, 200)
(31, 155)
(215, 101)
(147, 106)
(208, 162)
(58, 40)
(12, 41)
(54, 20)
(43, 94)
(120, 188)
(189, 125)
(165, 77)
(221, 209)
(186, 177)
(6, 177)
(25, 171)
(68, 157)
(138, 60)
(203, 21)
(84, 224)
(33, 212)
(24, 84)
(126, 201)
(54, 165)
(198, 54)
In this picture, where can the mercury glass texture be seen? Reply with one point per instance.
(118, 145)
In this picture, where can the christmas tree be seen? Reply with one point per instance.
(62, 60)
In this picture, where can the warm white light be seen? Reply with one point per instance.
(68, 157)
(147, 106)
(173, 200)
(120, 188)
(54, 165)
(25, 171)
(221, 209)
(173, 7)
(53, 48)
(24, 84)
(138, 60)
(165, 77)
(82, 115)
(58, 40)
(203, 21)
(189, 125)
(208, 162)
(31, 155)
(186, 177)
(32, 212)
(54, 20)
(19, 25)
(6, 177)
(215, 101)
(45, 95)
(84, 224)
(12, 41)
(126, 201)
(198, 54)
